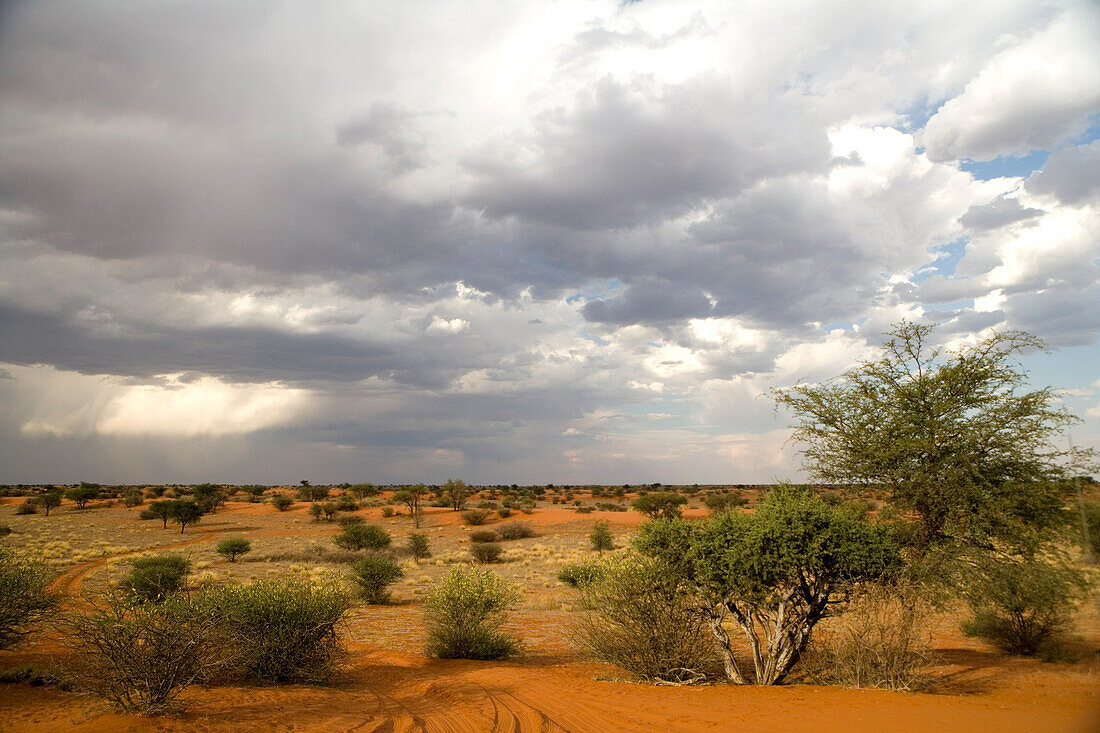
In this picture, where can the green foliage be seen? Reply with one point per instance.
(255, 493)
(1092, 529)
(162, 509)
(140, 656)
(601, 538)
(718, 503)
(208, 497)
(156, 577)
(83, 494)
(346, 503)
(362, 491)
(313, 493)
(373, 573)
(465, 613)
(475, 517)
(49, 500)
(24, 596)
(417, 546)
(957, 437)
(387, 511)
(133, 497)
(578, 575)
(29, 506)
(186, 512)
(456, 492)
(286, 629)
(363, 537)
(281, 502)
(233, 547)
(486, 552)
(660, 505)
(640, 616)
(779, 567)
(1022, 604)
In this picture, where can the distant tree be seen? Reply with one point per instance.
(718, 503)
(186, 512)
(281, 502)
(209, 497)
(362, 491)
(83, 494)
(49, 500)
(457, 492)
(601, 537)
(312, 493)
(412, 497)
(660, 505)
(255, 493)
(233, 547)
(162, 509)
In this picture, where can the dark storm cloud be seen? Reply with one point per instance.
(390, 128)
(649, 301)
(628, 156)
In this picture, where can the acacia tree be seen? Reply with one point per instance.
(660, 505)
(412, 497)
(50, 500)
(457, 491)
(779, 570)
(957, 437)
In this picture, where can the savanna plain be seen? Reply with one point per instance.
(386, 681)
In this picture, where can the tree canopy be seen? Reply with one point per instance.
(957, 437)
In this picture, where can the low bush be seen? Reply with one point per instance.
(515, 530)
(5, 530)
(286, 629)
(1022, 605)
(484, 535)
(387, 511)
(882, 641)
(362, 537)
(475, 517)
(281, 502)
(133, 497)
(372, 574)
(465, 614)
(24, 596)
(638, 616)
(140, 656)
(348, 519)
(155, 577)
(30, 506)
(417, 546)
(346, 503)
(601, 538)
(486, 552)
(580, 574)
(233, 547)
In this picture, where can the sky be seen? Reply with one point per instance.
(536, 242)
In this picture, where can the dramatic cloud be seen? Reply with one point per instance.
(512, 243)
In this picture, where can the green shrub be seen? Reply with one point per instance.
(233, 547)
(475, 517)
(484, 535)
(1022, 605)
(601, 538)
(140, 656)
(373, 573)
(465, 613)
(362, 537)
(580, 574)
(186, 512)
(24, 596)
(504, 512)
(486, 552)
(83, 494)
(49, 500)
(387, 511)
(346, 503)
(349, 519)
(718, 503)
(660, 505)
(281, 502)
(155, 577)
(515, 530)
(133, 497)
(417, 546)
(286, 628)
(639, 616)
(5, 530)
